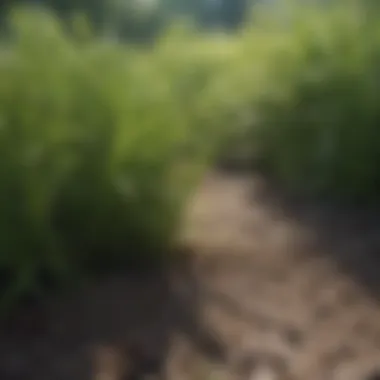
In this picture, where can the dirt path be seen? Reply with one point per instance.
(261, 296)
(274, 295)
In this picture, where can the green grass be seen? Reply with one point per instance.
(101, 144)
(306, 82)
(92, 165)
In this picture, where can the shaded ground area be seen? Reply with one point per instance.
(270, 287)
(121, 328)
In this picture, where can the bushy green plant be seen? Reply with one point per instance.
(91, 163)
(193, 65)
(317, 105)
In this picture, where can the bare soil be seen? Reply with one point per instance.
(269, 288)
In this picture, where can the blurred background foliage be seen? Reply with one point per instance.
(142, 20)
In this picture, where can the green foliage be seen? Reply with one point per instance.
(96, 10)
(315, 98)
(130, 20)
(101, 144)
(194, 65)
(91, 149)
(135, 20)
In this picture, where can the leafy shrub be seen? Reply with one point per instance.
(193, 65)
(317, 102)
(92, 170)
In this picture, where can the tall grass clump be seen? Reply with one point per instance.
(92, 171)
(317, 99)
(193, 64)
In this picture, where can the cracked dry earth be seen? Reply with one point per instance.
(265, 294)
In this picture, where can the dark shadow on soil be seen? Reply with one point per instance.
(347, 233)
(122, 325)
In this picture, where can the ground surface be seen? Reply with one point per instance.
(267, 291)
